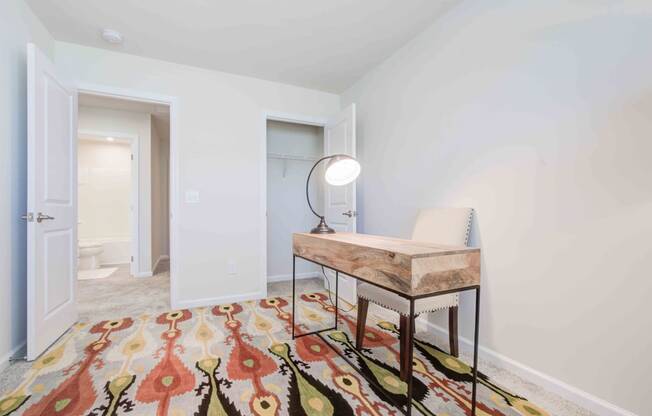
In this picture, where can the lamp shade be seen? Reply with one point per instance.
(342, 170)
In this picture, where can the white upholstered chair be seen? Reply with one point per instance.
(447, 226)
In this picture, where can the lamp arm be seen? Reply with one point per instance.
(308, 183)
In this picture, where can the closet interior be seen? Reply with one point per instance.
(292, 150)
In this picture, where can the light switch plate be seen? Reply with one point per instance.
(192, 196)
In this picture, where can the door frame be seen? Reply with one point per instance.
(134, 213)
(172, 102)
(287, 118)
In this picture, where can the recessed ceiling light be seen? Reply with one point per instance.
(112, 36)
(110, 139)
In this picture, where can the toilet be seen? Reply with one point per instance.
(89, 255)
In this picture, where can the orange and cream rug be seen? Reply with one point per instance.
(239, 359)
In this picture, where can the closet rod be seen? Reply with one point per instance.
(290, 157)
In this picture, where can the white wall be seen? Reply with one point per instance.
(160, 157)
(104, 180)
(287, 209)
(538, 115)
(18, 26)
(132, 124)
(220, 154)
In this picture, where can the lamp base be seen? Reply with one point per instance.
(322, 228)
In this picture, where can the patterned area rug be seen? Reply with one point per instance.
(239, 359)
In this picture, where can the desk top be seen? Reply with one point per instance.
(413, 268)
(410, 248)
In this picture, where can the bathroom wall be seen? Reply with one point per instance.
(138, 125)
(104, 170)
(160, 157)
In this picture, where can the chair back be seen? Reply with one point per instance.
(447, 226)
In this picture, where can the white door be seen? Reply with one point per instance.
(339, 201)
(51, 204)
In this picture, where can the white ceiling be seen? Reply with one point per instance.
(90, 100)
(160, 113)
(325, 45)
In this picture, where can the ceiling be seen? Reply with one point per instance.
(115, 141)
(90, 100)
(160, 113)
(325, 45)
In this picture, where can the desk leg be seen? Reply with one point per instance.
(337, 296)
(475, 350)
(294, 262)
(410, 360)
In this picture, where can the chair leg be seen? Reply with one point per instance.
(363, 307)
(452, 331)
(404, 334)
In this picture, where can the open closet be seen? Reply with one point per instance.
(292, 149)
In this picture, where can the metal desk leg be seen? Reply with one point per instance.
(475, 350)
(294, 262)
(410, 348)
(337, 296)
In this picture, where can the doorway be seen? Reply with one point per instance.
(293, 143)
(107, 202)
(123, 156)
(52, 202)
(292, 149)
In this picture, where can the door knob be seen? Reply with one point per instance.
(350, 213)
(42, 217)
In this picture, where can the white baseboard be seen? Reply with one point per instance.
(17, 350)
(159, 260)
(286, 277)
(568, 392)
(122, 263)
(195, 303)
(150, 273)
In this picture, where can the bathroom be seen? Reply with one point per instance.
(105, 214)
(123, 189)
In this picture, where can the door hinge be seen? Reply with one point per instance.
(132, 156)
(29, 217)
(132, 259)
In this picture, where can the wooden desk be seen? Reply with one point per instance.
(411, 269)
(404, 267)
